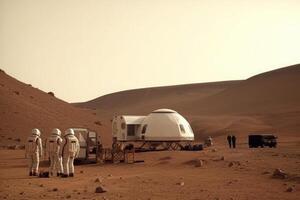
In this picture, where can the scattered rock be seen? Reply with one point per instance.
(290, 189)
(280, 174)
(17, 92)
(266, 172)
(17, 140)
(199, 163)
(78, 193)
(68, 196)
(232, 163)
(109, 175)
(41, 185)
(21, 193)
(81, 172)
(100, 189)
(15, 147)
(166, 158)
(181, 183)
(51, 93)
(98, 123)
(97, 180)
(55, 189)
(214, 150)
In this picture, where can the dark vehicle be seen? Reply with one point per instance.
(262, 140)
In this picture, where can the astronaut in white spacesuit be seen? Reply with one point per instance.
(69, 151)
(53, 146)
(34, 151)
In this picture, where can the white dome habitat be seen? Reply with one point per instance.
(166, 125)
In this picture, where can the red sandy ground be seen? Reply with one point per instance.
(159, 177)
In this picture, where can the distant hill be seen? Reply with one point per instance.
(143, 101)
(23, 107)
(268, 102)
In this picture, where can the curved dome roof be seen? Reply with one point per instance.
(164, 110)
(166, 125)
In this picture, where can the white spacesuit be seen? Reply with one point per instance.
(209, 141)
(69, 151)
(34, 151)
(53, 145)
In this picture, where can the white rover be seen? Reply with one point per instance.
(164, 127)
(89, 145)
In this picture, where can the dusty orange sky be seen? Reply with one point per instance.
(85, 49)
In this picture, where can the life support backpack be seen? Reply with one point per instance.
(73, 145)
(53, 144)
(70, 145)
(32, 144)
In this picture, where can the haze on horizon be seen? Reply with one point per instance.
(81, 50)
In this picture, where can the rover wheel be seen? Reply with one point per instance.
(175, 146)
(166, 145)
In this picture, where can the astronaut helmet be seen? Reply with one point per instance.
(36, 132)
(69, 132)
(56, 131)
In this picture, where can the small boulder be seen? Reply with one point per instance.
(198, 163)
(266, 172)
(100, 189)
(98, 123)
(17, 92)
(290, 189)
(180, 183)
(54, 189)
(97, 180)
(280, 174)
(51, 94)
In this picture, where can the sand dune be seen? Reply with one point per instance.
(24, 107)
(268, 102)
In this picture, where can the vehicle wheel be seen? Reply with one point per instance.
(174, 146)
(166, 145)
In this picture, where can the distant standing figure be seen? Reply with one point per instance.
(209, 141)
(69, 151)
(34, 151)
(229, 140)
(233, 138)
(53, 146)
